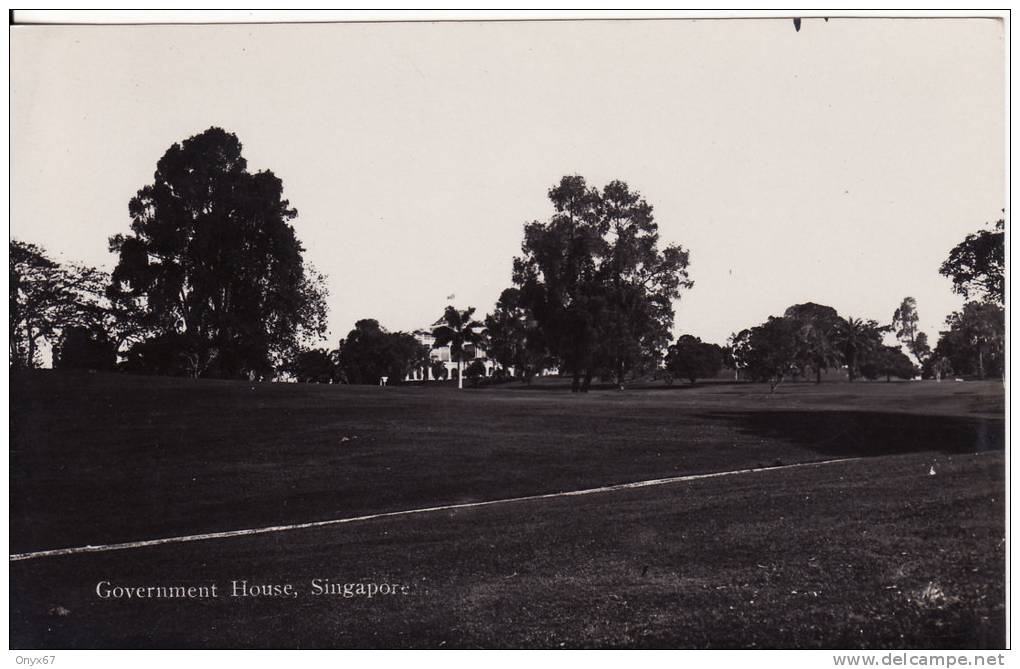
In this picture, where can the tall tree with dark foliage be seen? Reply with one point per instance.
(212, 259)
(370, 352)
(598, 284)
(692, 359)
(975, 342)
(513, 337)
(315, 365)
(771, 351)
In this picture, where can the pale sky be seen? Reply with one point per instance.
(838, 164)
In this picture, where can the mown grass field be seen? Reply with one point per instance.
(869, 553)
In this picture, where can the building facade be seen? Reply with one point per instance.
(442, 355)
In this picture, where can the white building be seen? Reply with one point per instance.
(443, 355)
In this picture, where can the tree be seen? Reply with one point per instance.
(888, 361)
(692, 359)
(46, 297)
(772, 351)
(84, 348)
(315, 365)
(904, 323)
(212, 261)
(361, 355)
(405, 354)
(600, 288)
(556, 274)
(975, 341)
(739, 346)
(858, 338)
(817, 337)
(514, 339)
(370, 352)
(35, 302)
(640, 282)
(462, 334)
(977, 265)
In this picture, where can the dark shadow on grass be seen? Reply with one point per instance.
(871, 433)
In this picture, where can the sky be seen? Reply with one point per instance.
(836, 164)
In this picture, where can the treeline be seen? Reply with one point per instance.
(810, 339)
(210, 281)
(594, 297)
(805, 342)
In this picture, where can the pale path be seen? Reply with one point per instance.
(391, 514)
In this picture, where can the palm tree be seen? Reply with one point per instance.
(459, 331)
(858, 338)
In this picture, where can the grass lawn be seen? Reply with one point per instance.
(869, 553)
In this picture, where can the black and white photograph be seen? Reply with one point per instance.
(544, 331)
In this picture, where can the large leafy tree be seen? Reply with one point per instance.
(977, 265)
(974, 344)
(462, 333)
(213, 262)
(513, 337)
(370, 352)
(770, 351)
(641, 282)
(817, 337)
(692, 359)
(316, 365)
(599, 286)
(557, 275)
(406, 354)
(45, 298)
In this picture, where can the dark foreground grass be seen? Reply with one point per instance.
(872, 553)
(108, 458)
